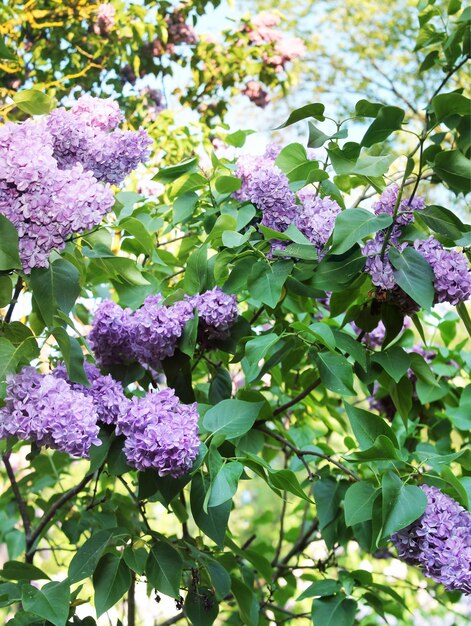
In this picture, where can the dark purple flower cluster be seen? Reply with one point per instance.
(179, 31)
(46, 410)
(52, 170)
(451, 268)
(217, 312)
(439, 542)
(161, 433)
(152, 333)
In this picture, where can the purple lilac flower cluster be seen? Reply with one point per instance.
(88, 134)
(49, 410)
(256, 94)
(44, 409)
(105, 19)
(217, 312)
(152, 333)
(451, 268)
(439, 542)
(52, 170)
(161, 433)
(267, 187)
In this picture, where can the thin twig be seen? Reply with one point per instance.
(18, 497)
(302, 453)
(16, 295)
(172, 620)
(298, 398)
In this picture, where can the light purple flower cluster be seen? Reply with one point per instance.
(88, 134)
(439, 542)
(161, 433)
(217, 312)
(152, 333)
(44, 409)
(268, 188)
(49, 171)
(316, 217)
(105, 20)
(107, 393)
(387, 204)
(451, 268)
(256, 94)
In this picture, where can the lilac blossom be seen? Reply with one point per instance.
(387, 204)
(439, 542)
(45, 410)
(157, 329)
(111, 336)
(217, 312)
(452, 281)
(380, 268)
(107, 393)
(256, 94)
(178, 30)
(316, 217)
(160, 433)
(268, 188)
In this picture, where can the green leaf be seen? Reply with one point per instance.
(51, 602)
(334, 273)
(444, 222)
(56, 287)
(336, 372)
(395, 361)
(454, 169)
(364, 108)
(227, 184)
(111, 580)
(140, 234)
(213, 522)
(16, 570)
(5, 52)
(382, 449)
(388, 119)
(164, 569)
(299, 251)
(71, 351)
(247, 602)
(256, 349)
(9, 255)
(354, 224)
(9, 357)
(169, 174)
(197, 275)
(358, 503)
(414, 275)
(201, 607)
(316, 137)
(224, 484)
(85, 560)
(220, 387)
(334, 611)
(33, 102)
(401, 504)
(187, 343)
(327, 494)
(446, 104)
(286, 480)
(367, 426)
(231, 418)
(265, 282)
(315, 110)
(320, 588)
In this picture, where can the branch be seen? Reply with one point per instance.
(302, 453)
(298, 547)
(173, 620)
(298, 398)
(16, 295)
(47, 517)
(19, 499)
